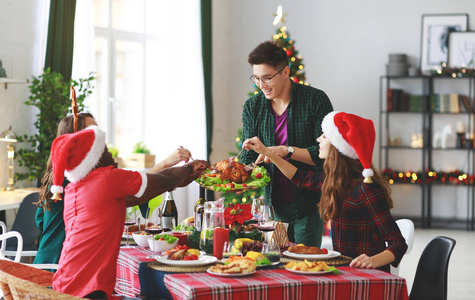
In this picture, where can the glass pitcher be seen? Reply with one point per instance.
(213, 217)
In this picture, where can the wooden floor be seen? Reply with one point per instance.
(462, 262)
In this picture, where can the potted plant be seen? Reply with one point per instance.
(50, 95)
(140, 157)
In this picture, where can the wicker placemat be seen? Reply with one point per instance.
(155, 265)
(337, 261)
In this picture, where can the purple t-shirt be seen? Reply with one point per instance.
(282, 187)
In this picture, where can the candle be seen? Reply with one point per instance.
(460, 126)
(220, 235)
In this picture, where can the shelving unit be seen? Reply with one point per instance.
(424, 157)
(7, 81)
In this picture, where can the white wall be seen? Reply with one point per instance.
(345, 47)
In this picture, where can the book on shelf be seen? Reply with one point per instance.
(464, 104)
(454, 103)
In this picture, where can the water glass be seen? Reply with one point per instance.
(272, 252)
(229, 250)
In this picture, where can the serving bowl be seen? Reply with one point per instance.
(141, 239)
(160, 246)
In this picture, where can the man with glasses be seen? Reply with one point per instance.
(286, 116)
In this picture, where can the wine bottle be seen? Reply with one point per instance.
(199, 210)
(169, 213)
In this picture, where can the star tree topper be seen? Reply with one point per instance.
(279, 16)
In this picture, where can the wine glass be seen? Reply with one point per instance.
(266, 219)
(153, 226)
(256, 207)
(130, 219)
(153, 221)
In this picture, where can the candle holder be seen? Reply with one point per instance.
(460, 140)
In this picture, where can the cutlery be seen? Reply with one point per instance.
(250, 166)
(234, 158)
(191, 157)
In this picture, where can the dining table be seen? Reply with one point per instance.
(138, 276)
(12, 199)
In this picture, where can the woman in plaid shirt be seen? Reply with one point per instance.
(362, 226)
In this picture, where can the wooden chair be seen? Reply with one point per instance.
(20, 281)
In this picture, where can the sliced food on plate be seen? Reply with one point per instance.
(229, 175)
(239, 265)
(310, 267)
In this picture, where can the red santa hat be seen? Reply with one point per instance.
(353, 136)
(75, 155)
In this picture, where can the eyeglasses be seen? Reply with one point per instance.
(265, 80)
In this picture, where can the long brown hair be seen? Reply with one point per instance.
(340, 172)
(65, 126)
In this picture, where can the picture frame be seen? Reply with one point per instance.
(462, 49)
(436, 29)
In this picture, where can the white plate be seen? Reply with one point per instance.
(330, 254)
(202, 260)
(309, 273)
(232, 274)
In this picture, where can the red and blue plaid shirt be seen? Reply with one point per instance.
(364, 225)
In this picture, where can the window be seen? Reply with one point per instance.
(148, 65)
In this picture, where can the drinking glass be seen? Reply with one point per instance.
(266, 220)
(229, 250)
(130, 219)
(272, 252)
(256, 207)
(153, 221)
(153, 226)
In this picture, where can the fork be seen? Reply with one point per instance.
(191, 157)
(250, 166)
(234, 158)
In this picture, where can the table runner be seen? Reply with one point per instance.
(127, 281)
(281, 284)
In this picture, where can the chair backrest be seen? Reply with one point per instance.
(430, 281)
(406, 227)
(25, 223)
(19, 241)
(19, 281)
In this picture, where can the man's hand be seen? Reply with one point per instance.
(196, 169)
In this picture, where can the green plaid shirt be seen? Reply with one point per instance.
(305, 113)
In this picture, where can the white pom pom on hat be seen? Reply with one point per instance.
(75, 155)
(353, 136)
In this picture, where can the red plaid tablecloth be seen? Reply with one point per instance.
(127, 281)
(351, 283)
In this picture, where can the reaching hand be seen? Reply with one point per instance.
(197, 167)
(263, 151)
(180, 154)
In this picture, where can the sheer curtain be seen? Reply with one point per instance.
(166, 106)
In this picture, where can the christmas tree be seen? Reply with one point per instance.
(297, 74)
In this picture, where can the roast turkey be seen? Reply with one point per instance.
(234, 172)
